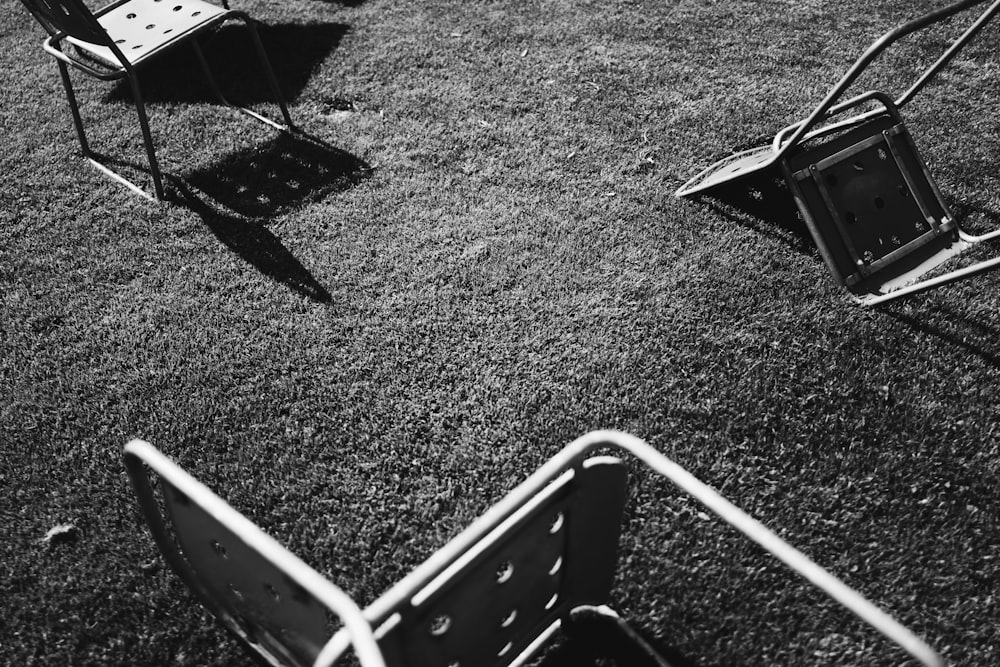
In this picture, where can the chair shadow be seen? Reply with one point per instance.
(973, 336)
(253, 242)
(294, 50)
(955, 325)
(237, 196)
(292, 169)
(762, 203)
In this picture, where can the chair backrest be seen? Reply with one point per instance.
(499, 589)
(490, 596)
(276, 604)
(68, 16)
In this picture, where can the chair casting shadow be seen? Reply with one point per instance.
(294, 50)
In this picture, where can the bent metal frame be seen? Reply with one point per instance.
(864, 192)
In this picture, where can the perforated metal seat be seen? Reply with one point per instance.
(118, 39)
(542, 558)
(142, 28)
(860, 184)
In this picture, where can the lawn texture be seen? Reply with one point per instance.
(364, 335)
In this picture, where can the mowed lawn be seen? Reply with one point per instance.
(363, 335)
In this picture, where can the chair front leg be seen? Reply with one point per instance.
(74, 108)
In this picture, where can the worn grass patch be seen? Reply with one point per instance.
(363, 336)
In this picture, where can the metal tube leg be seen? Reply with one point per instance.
(147, 136)
(268, 71)
(207, 71)
(74, 108)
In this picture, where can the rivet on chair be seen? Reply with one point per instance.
(556, 566)
(552, 602)
(557, 522)
(508, 619)
(130, 16)
(505, 650)
(150, 26)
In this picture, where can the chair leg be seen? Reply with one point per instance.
(74, 108)
(265, 63)
(93, 158)
(603, 629)
(269, 73)
(147, 137)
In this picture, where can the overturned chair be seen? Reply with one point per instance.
(863, 190)
(117, 40)
(542, 558)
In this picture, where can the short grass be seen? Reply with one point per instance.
(363, 336)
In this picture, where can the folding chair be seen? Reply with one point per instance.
(542, 558)
(862, 188)
(117, 40)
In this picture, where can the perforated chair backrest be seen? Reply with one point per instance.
(279, 606)
(68, 16)
(544, 550)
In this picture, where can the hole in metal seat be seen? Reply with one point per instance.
(504, 572)
(440, 624)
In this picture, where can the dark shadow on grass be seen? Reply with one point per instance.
(253, 242)
(295, 51)
(975, 337)
(950, 324)
(238, 195)
(289, 171)
(594, 639)
(763, 203)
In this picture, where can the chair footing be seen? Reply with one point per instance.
(601, 628)
(115, 176)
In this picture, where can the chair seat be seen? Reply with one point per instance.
(141, 28)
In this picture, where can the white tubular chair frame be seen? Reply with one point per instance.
(380, 610)
(140, 455)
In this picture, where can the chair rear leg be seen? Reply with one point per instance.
(147, 137)
(265, 64)
(269, 73)
(74, 108)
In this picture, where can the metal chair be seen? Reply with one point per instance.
(862, 188)
(117, 40)
(542, 558)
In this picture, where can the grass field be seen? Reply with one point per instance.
(363, 335)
